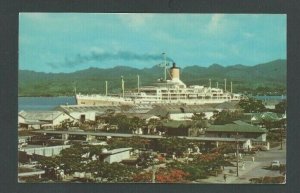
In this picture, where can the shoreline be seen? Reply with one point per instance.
(44, 96)
(252, 96)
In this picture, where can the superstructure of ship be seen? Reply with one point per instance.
(164, 91)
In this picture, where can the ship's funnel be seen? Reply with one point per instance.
(174, 71)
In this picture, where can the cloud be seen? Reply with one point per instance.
(135, 20)
(216, 23)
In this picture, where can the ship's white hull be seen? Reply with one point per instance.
(107, 101)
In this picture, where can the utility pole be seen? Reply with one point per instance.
(105, 88)
(122, 80)
(138, 83)
(75, 91)
(225, 84)
(281, 138)
(153, 173)
(231, 86)
(237, 155)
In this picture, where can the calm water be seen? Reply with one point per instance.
(270, 97)
(49, 103)
(43, 103)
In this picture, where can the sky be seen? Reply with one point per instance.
(68, 42)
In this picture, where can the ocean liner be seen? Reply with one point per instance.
(164, 91)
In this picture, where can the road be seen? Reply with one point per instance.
(263, 159)
(252, 169)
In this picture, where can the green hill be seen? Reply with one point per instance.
(262, 79)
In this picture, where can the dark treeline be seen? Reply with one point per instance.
(262, 79)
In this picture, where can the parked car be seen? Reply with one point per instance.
(275, 163)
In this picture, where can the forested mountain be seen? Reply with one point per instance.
(262, 78)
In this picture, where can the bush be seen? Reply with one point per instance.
(267, 180)
(163, 175)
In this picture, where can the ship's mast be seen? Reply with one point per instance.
(105, 88)
(165, 65)
(225, 84)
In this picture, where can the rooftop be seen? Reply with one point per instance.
(40, 115)
(237, 126)
(119, 150)
(104, 109)
(176, 124)
(164, 109)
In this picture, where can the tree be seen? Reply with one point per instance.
(154, 125)
(114, 172)
(134, 142)
(251, 105)
(172, 144)
(136, 123)
(225, 117)
(121, 120)
(281, 107)
(194, 169)
(198, 116)
(163, 175)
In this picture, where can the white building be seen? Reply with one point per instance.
(38, 119)
(87, 113)
(47, 151)
(116, 155)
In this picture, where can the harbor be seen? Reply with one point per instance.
(151, 98)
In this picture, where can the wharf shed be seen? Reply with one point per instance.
(83, 113)
(38, 119)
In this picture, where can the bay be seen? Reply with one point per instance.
(43, 103)
(267, 98)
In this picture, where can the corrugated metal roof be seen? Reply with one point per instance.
(78, 108)
(237, 126)
(141, 116)
(103, 109)
(268, 116)
(163, 110)
(232, 105)
(40, 115)
(176, 124)
(115, 151)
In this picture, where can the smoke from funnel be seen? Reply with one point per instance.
(106, 56)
